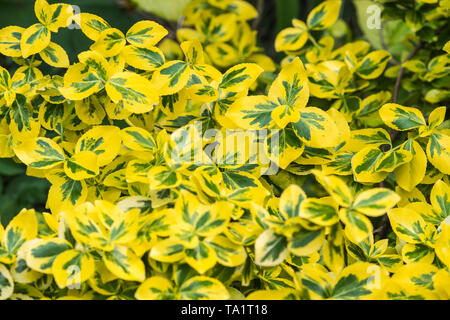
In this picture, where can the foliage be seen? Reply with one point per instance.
(347, 196)
(19, 191)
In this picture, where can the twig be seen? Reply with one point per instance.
(394, 133)
(180, 22)
(260, 9)
(385, 47)
(314, 42)
(402, 71)
(383, 230)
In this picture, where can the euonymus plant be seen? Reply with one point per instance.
(200, 169)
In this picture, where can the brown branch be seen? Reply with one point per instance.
(402, 71)
(384, 226)
(260, 9)
(383, 229)
(385, 47)
(394, 133)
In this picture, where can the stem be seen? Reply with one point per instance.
(314, 42)
(398, 81)
(402, 71)
(260, 9)
(383, 44)
(383, 230)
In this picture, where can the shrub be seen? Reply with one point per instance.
(205, 171)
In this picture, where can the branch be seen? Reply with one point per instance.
(260, 8)
(385, 47)
(395, 133)
(402, 71)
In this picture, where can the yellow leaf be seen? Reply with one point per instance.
(91, 25)
(146, 34)
(240, 77)
(90, 110)
(7, 285)
(61, 16)
(447, 47)
(443, 244)
(305, 242)
(292, 39)
(228, 253)
(6, 150)
(23, 227)
(97, 64)
(359, 139)
(324, 15)
(110, 42)
(376, 201)
(284, 114)
(161, 177)
(316, 128)
(410, 174)
(222, 54)
(136, 92)
(440, 198)
(290, 201)
(193, 51)
(169, 250)
(10, 41)
(270, 249)
(321, 211)
(104, 141)
(124, 263)
(171, 49)
(222, 28)
(252, 112)
(438, 152)
(42, 11)
(416, 279)
(138, 139)
(171, 77)
(373, 64)
(263, 61)
(336, 187)
(55, 56)
(363, 165)
(417, 253)
(82, 165)
(147, 59)
(201, 258)
(72, 267)
(409, 225)
(42, 253)
(358, 225)
(80, 82)
(436, 117)
(156, 288)
(291, 86)
(40, 153)
(367, 280)
(34, 39)
(401, 118)
(203, 288)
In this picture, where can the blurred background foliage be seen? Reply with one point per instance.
(18, 190)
